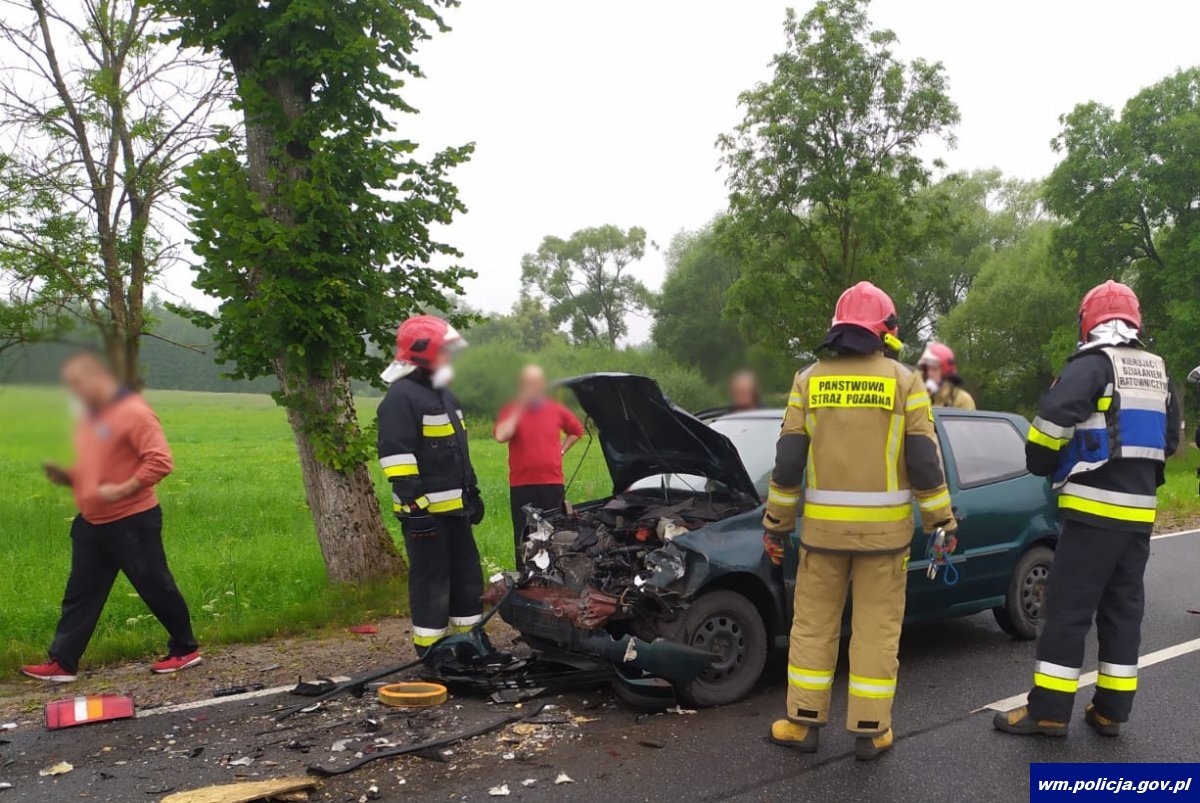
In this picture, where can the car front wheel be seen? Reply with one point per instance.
(1021, 613)
(726, 623)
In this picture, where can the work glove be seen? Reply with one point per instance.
(773, 546)
(475, 508)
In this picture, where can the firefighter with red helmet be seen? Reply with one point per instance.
(424, 454)
(857, 445)
(1102, 435)
(940, 370)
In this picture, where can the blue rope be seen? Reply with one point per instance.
(949, 570)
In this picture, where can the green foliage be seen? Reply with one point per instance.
(315, 233)
(92, 168)
(969, 218)
(528, 324)
(689, 322)
(1017, 325)
(1129, 187)
(586, 283)
(824, 168)
(487, 373)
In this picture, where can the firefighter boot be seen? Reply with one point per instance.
(1019, 721)
(869, 748)
(798, 737)
(1100, 723)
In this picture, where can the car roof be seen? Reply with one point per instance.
(775, 413)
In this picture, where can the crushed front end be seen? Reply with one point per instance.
(606, 580)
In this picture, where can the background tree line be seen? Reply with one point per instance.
(312, 222)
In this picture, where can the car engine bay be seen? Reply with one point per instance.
(613, 561)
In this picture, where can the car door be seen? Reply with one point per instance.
(984, 457)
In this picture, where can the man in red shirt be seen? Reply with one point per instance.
(538, 431)
(121, 454)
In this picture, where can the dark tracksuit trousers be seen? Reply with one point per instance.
(132, 545)
(543, 497)
(1097, 573)
(445, 583)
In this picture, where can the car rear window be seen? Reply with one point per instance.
(985, 449)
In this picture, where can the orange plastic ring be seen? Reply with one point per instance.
(412, 695)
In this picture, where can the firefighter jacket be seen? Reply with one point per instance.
(950, 394)
(1103, 433)
(858, 443)
(423, 449)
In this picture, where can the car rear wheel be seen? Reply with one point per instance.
(726, 623)
(1021, 613)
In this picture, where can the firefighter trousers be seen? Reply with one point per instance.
(445, 579)
(876, 583)
(1097, 574)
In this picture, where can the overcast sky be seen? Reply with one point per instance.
(587, 112)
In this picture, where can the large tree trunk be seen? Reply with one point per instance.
(354, 542)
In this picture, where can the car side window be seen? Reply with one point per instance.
(985, 449)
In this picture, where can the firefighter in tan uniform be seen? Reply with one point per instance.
(940, 369)
(857, 445)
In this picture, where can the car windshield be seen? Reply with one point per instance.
(754, 438)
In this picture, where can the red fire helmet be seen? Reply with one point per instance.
(867, 306)
(1107, 302)
(419, 341)
(941, 355)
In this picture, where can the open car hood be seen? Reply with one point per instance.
(643, 434)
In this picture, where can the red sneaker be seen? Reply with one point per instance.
(174, 663)
(50, 672)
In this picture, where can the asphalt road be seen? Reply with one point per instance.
(946, 748)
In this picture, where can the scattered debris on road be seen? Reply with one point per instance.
(563, 778)
(500, 791)
(61, 768)
(246, 792)
(364, 630)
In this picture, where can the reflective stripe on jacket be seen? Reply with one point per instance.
(1103, 433)
(423, 448)
(857, 444)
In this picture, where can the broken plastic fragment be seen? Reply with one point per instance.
(340, 745)
(529, 782)
(563, 778)
(630, 652)
(244, 761)
(542, 560)
(61, 768)
(500, 791)
(681, 710)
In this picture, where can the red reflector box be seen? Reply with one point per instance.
(87, 709)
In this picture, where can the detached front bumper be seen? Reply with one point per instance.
(552, 615)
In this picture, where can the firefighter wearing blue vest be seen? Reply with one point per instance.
(1102, 434)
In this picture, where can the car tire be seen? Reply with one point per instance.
(1020, 615)
(727, 623)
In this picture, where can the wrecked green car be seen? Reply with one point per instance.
(667, 580)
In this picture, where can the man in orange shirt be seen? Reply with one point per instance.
(121, 454)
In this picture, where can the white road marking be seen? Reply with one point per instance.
(1149, 659)
(1174, 534)
(232, 698)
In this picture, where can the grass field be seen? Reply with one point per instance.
(238, 533)
(237, 529)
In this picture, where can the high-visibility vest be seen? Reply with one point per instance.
(1130, 421)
